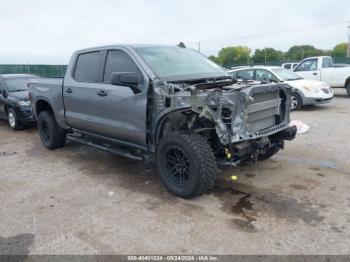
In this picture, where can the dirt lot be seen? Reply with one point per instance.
(78, 200)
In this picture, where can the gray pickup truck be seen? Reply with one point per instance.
(167, 104)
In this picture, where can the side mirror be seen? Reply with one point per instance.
(126, 79)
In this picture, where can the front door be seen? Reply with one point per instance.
(308, 69)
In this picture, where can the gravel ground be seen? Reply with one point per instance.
(78, 200)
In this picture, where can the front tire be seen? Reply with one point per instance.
(186, 164)
(12, 119)
(51, 135)
(296, 102)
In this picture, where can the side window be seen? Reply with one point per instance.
(87, 67)
(233, 74)
(264, 75)
(245, 74)
(287, 66)
(119, 61)
(308, 65)
(327, 62)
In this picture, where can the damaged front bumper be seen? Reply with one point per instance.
(249, 114)
(246, 120)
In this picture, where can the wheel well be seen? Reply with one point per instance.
(7, 107)
(172, 121)
(347, 81)
(41, 106)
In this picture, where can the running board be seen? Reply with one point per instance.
(117, 151)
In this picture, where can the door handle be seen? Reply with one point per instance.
(68, 90)
(102, 93)
(315, 74)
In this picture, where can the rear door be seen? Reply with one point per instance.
(334, 76)
(309, 69)
(80, 95)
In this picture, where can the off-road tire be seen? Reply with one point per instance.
(295, 97)
(51, 135)
(269, 153)
(12, 120)
(201, 168)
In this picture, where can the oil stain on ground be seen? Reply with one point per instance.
(16, 245)
(252, 201)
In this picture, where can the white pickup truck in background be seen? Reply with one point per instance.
(322, 68)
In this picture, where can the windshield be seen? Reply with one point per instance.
(17, 84)
(286, 75)
(179, 64)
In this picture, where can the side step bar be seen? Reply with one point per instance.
(117, 151)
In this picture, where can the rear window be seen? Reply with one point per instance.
(245, 74)
(18, 84)
(327, 62)
(87, 67)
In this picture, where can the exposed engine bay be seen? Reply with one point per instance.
(240, 121)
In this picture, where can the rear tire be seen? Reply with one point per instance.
(186, 164)
(12, 120)
(296, 102)
(51, 135)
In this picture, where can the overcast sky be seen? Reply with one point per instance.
(42, 31)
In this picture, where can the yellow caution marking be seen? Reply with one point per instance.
(228, 153)
(233, 178)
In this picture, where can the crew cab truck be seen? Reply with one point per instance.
(166, 104)
(322, 68)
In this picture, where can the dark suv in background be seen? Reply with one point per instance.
(14, 100)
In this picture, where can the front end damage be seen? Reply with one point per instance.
(240, 122)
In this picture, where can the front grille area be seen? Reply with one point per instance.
(264, 112)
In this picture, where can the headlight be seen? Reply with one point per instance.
(23, 103)
(311, 89)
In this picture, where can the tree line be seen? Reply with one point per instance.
(234, 55)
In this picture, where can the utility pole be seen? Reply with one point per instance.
(302, 53)
(265, 55)
(348, 53)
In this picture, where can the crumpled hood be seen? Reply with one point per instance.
(304, 82)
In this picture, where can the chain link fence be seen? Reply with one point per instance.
(41, 70)
(59, 70)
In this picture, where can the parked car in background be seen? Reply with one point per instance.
(305, 92)
(289, 66)
(322, 68)
(14, 100)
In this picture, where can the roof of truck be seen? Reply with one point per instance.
(133, 46)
